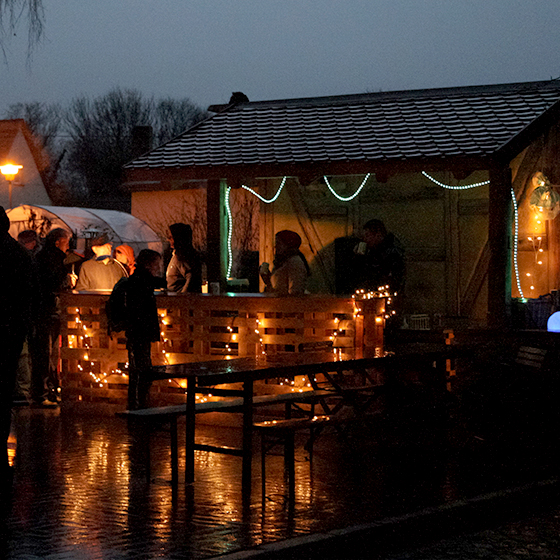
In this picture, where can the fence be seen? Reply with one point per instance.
(206, 327)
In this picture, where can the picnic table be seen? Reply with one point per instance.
(248, 370)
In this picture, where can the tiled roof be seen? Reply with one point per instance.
(8, 131)
(376, 127)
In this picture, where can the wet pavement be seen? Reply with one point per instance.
(80, 489)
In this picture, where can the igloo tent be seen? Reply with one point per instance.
(85, 223)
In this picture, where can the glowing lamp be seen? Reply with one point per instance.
(553, 323)
(10, 171)
(544, 201)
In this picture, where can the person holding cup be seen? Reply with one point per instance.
(290, 269)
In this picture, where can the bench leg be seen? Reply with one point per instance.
(174, 452)
(263, 466)
(289, 462)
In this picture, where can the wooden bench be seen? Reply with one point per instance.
(156, 417)
(530, 358)
(274, 432)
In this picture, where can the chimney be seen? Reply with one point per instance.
(141, 140)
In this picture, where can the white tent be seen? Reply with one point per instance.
(85, 223)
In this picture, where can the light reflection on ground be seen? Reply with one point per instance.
(81, 490)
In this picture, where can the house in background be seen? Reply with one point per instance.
(18, 146)
(438, 166)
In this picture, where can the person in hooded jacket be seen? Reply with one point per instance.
(184, 271)
(290, 269)
(124, 255)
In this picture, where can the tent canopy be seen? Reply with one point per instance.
(85, 223)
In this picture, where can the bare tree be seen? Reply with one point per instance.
(13, 11)
(101, 135)
(43, 120)
(174, 116)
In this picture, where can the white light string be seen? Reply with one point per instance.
(516, 242)
(229, 234)
(455, 187)
(271, 200)
(346, 198)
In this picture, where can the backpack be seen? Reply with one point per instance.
(115, 308)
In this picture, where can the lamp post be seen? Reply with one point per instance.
(10, 171)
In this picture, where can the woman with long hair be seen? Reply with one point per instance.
(184, 271)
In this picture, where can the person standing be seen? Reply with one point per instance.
(22, 392)
(102, 271)
(124, 255)
(184, 271)
(16, 293)
(132, 307)
(378, 259)
(290, 269)
(53, 278)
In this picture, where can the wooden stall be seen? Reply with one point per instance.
(93, 366)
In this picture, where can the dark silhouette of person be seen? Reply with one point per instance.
(141, 324)
(16, 296)
(378, 259)
(53, 278)
(184, 271)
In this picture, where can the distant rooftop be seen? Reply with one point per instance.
(378, 127)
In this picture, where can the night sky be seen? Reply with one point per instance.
(274, 49)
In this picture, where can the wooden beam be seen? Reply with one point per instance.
(215, 266)
(499, 241)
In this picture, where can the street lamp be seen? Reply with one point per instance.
(10, 171)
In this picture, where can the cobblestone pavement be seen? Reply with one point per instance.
(80, 490)
(536, 537)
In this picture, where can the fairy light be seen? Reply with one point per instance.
(455, 187)
(270, 200)
(229, 234)
(347, 198)
(516, 242)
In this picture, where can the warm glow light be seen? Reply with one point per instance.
(10, 170)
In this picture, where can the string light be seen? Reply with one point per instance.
(455, 187)
(516, 242)
(271, 200)
(346, 198)
(229, 234)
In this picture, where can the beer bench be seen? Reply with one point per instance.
(157, 417)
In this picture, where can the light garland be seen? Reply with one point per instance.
(229, 234)
(455, 187)
(347, 198)
(83, 341)
(271, 200)
(516, 241)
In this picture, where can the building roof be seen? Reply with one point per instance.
(8, 132)
(466, 123)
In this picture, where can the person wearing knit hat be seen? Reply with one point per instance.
(16, 296)
(290, 269)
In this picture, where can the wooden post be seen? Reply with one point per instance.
(499, 240)
(215, 232)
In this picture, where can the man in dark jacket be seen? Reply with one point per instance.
(53, 278)
(16, 294)
(141, 323)
(378, 259)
